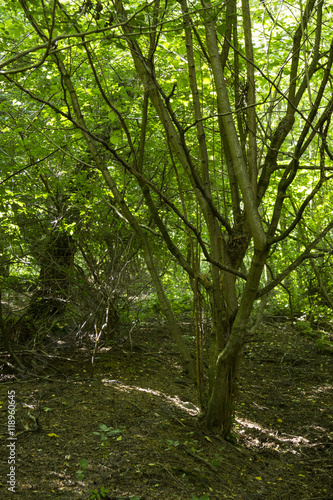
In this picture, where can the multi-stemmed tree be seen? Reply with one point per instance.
(209, 123)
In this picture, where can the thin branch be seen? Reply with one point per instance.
(299, 214)
(17, 172)
(304, 255)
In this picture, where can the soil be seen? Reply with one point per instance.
(127, 426)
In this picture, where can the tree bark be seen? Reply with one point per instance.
(221, 403)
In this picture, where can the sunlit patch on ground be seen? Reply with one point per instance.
(269, 438)
(186, 406)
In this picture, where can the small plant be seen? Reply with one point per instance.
(98, 494)
(304, 327)
(83, 466)
(193, 444)
(233, 438)
(105, 432)
(172, 443)
(324, 343)
(217, 460)
(203, 497)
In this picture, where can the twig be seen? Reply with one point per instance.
(200, 459)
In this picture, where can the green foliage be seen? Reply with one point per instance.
(83, 466)
(304, 326)
(181, 300)
(325, 342)
(106, 432)
(98, 494)
(102, 493)
(172, 444)
(123, 134)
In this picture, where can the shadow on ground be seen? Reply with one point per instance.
(129, 429)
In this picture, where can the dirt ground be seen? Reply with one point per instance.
(128, 428)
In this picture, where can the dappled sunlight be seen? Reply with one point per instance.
(261, 437)
(317, 390)
(186, 406)
(270, 438)
(58, 481)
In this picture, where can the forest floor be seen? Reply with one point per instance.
(130, 426)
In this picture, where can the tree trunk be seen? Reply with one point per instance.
(221, 403)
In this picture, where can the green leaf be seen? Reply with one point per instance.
(84, 463)
(120, 45)
(104, 427)
(222, 29)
